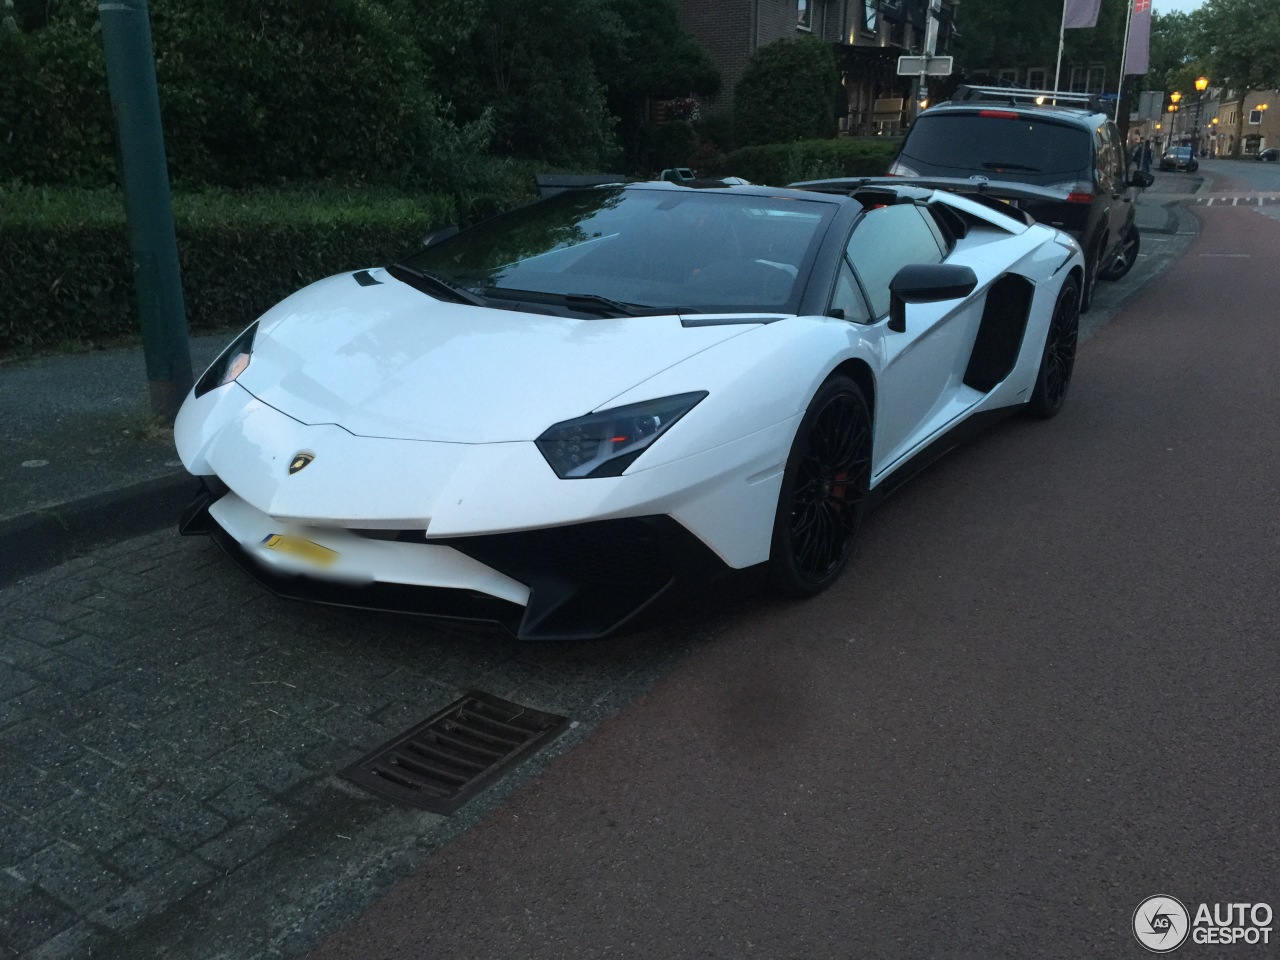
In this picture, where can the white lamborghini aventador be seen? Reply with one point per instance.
(557, 417)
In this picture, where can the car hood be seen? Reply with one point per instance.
(382, 359)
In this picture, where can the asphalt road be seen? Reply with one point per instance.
(1045, 692)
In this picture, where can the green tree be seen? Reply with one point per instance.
(531, 65)
(651, 56)
(251, 91)
(1241, 41)
(787, 93)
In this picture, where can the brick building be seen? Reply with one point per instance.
(868, 37)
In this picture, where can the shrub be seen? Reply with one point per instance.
(65, 264)
(778, 164)
(252, 92)
(672, 144)
(787, 92)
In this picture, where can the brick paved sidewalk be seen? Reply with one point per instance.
(169, 737)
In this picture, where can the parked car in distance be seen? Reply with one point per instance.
(1271, 153)
(1179, 158)
(1063, 144)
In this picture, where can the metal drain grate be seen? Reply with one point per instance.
(442, 763)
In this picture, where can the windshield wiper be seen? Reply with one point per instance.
(434, 286)
(587, 302)
(1010, 166)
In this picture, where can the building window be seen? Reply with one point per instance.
(804, 14)
(1008, 75)
(1255, 117)
(1088, 79)
(1036, 78)
(869, 20)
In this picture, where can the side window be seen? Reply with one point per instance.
(1105, 160)
(885, 241)
(1120, 162)
(848, 297)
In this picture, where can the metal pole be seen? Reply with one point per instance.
(1062, 39)
(1124, 61)
(131, 80)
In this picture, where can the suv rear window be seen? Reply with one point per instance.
(950, 144)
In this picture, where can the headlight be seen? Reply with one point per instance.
(230, 364)
(606, 443)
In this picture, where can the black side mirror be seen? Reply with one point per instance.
(435, 236)
(926, 283)
(1141, 179)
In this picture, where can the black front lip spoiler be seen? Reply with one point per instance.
(586, 581)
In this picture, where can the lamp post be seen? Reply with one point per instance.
(1215, 136)
(1202, 84)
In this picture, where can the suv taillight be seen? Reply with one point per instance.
(1078, 191)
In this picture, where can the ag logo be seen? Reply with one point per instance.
(299, 461)
(1161, 924)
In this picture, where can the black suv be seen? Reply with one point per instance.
(1069, 151)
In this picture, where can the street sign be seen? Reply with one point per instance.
(929, 66)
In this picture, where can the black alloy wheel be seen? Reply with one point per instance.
(1125, 257)
(824, 491)
(1059, 357)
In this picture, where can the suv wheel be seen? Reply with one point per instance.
(1125, 257)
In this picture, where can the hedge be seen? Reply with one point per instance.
(65, 266)
(777, 164)
(787, 93)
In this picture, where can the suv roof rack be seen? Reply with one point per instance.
(1019, 96)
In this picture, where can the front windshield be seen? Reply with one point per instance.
(654, 250)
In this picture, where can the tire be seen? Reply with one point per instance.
(1059, 357)
(824, 491)
(1125, 257)
(1090, 277)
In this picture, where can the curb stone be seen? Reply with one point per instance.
(35, 541)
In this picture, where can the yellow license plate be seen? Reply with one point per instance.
(305, 550)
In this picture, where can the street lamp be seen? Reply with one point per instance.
(1202, 84)
(1173, 116)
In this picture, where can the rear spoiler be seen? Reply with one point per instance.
(1003, 189)
(983, 190)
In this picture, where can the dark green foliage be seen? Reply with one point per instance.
(787, 92)
(672, 144)
(406, 93)
(55, 116)
(66, 269)
(252, 92)
(532, 67)
(782, 163)
(650, 55)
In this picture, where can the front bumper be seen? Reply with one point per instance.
(575, 582)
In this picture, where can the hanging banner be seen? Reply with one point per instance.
(1137, 57)
(1080, 13)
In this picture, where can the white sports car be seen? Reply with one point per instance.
(557, 417)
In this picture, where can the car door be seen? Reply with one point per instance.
(1108, 162)
(919, 387)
